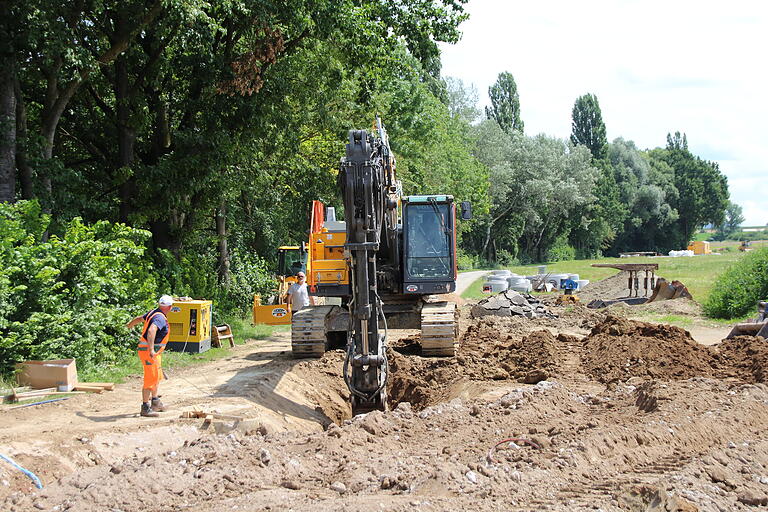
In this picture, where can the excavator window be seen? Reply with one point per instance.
(291, 261)
(428, 241)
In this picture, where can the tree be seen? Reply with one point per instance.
(462, 100)
(733, 220)
(537, 185)
(702, 189)
(587, 126)
(7, 107)
(505, 104)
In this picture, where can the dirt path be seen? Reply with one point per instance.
(608, 414)
(465, 279)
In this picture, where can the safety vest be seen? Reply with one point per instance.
(144, 343)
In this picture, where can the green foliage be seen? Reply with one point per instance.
(733, 219)
(505, 104)
(561, 251)
(69, 296)
(191, 276)
(587, 126)
(538, 185)
(737, 291)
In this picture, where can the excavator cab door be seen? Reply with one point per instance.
(429, 241)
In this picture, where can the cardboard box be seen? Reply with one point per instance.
(57, 373)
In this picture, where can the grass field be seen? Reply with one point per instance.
(698, 273)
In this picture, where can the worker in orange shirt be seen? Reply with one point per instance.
(152, 342)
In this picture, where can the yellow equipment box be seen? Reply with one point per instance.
(190, 326)
(277, 314)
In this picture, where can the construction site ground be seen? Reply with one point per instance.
(606, 413)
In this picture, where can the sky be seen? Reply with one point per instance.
(698, 67)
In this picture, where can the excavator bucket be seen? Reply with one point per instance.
(749, 329)
(665, 290)
(755, 327)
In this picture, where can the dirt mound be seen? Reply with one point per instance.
(618, 349)
(488, 353)
(746, 357)
(491, 349)
(614, 287)
(681, 307)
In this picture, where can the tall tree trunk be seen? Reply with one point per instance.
(126, 136)
(22, 162)
(221, 233)
(7, 111)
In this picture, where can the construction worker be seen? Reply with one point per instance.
(298, 294)
(154, 336)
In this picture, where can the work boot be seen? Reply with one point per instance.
(147, 411)
(158, 406)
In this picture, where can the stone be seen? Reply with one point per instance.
(753, 499)
(718, 475)
(471, 476)
(265, 456)
(339, 487)
(291, 484)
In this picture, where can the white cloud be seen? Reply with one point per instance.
(655, 66)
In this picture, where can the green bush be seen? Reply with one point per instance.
(69, 296)
(738, 290)
(561, 251)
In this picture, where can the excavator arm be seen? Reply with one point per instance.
(366, 180)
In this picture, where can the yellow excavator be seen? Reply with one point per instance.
(291, 259)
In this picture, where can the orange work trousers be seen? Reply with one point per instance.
(153, 372)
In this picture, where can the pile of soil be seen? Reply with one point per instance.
(488, 353)
(744, 357)
(491, 349)
(610, 288)
(511, 303)
(618, 349)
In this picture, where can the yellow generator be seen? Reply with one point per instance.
(291, 259)
(190, 325)
(699, 247)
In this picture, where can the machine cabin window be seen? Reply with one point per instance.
(429, 241)
(291, 261)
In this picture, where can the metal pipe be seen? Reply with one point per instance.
(364, 333)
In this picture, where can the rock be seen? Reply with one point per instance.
(339, 487)
(39, 506)
(386, 482)
(265, 456)
(473, 412)
(753, 499)
(116, 470)
(517, 299)
(718, 475)
(471, 476)
(535, 376)
(334, 430)
(291, 484)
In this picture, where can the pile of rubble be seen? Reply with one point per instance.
(511, 303)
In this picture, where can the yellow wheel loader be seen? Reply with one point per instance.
(291, 260)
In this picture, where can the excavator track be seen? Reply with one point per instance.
(439, 329)
(308, 331)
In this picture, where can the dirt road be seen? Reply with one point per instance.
(607, 414)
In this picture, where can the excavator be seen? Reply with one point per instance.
(385, 265)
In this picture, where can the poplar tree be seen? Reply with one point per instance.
(587, 126)
(505, 104)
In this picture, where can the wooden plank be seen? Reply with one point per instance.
(109, 386)
(89, 389)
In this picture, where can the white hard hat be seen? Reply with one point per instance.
(165, 300)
